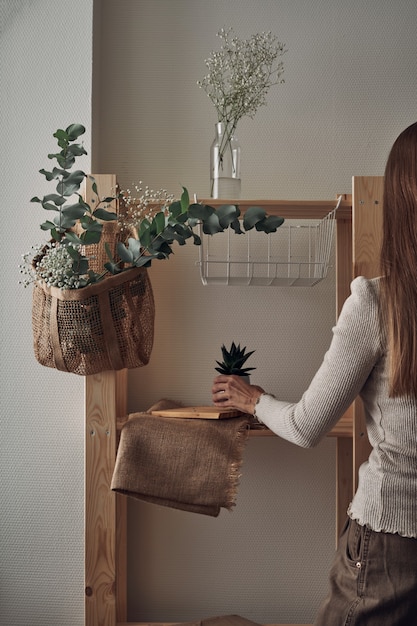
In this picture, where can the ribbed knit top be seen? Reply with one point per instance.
(356, 364)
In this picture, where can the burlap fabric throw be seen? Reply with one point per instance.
(225, 620)
(187, 464)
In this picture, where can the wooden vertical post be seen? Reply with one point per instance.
(367, 239)
(344, 448)
(105, 514)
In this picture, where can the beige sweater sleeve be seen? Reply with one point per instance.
(354, 351)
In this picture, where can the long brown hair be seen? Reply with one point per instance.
(398, 263)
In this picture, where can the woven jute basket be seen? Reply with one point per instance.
(108, 325)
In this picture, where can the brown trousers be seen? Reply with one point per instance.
(373, 580)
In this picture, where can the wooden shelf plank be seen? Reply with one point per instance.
(292, 209)
(175, 623)
(343, 428)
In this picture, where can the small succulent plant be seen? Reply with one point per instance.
(233, 361)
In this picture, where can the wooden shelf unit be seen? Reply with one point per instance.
(358, 236)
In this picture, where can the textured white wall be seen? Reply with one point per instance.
(45, 84)
(350, 88)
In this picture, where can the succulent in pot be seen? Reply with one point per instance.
(234, 360)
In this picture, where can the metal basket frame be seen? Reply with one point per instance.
(296, 255)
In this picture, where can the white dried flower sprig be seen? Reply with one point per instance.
(52, 265)
(141, 204)
(240, 75)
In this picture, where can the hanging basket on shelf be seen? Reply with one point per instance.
(108, 325)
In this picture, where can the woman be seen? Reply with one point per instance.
(373, 354)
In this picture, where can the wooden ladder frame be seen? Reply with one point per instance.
(358, 237)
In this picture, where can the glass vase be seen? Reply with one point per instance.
(225, 163)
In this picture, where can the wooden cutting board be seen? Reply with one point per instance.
(198, 412)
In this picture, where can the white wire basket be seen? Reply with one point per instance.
(296, 255)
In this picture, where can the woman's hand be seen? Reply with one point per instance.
(234, 392)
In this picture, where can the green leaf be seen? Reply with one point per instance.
(74, 131)
(81, 266)
(253, 215)
(112, 267)
(144, 261)
(211, 225)
(49, 207)
(269, 224)
(134, 247)
(64, 223)
(227, 214)
(124, 253)
(73, 211)
(74, 254)
(71, 183)
(90, 236)
(76, 149)
(54, 197)
(48, 175)
(91, 225)
(159, 222)
(72, 237)
(66, 161)
(235, 225)
(185, 199)
(201, 211)
(106, 216)
(175, 209)
(61, 134)
(35, 199)
(47, 225)
(108, 251)
(56, 234)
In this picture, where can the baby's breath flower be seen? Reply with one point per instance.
(53, 265)
(240, 75)
(140, 204)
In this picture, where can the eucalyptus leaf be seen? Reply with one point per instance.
(253, 215)
(106, 216)
(112, 267)
(73, 211)
(47, 225)
(227, 214)
(211, 225)
(80, 266)
(235, 225)
(91, 225)
(201, 211)
(159, 222)
(124, 253)
(74, 254)
(175, 208)
(76, 149)
(49, 207)
(185, 199)
(48, 175)
(73, 237)
(54, 197)
(143, 261)
(73, 131)
(64, 223)
(89, 237)
(134, 247)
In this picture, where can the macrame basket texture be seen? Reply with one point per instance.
(108, 325)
